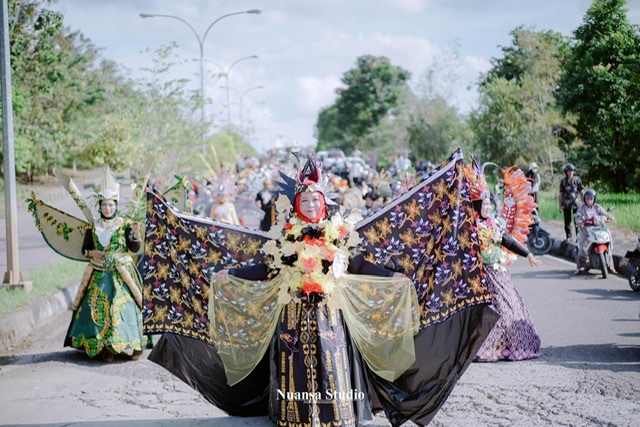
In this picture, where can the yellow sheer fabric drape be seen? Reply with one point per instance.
(243, 315)
(381, 313)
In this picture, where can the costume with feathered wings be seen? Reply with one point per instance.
(64, 233)
(518, 204)
(428, 234)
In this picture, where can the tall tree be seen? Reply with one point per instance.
(518, 120)
(56, 81)
(372, 90)
(434, 126)
(601, 85)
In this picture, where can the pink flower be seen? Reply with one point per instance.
(309, 264)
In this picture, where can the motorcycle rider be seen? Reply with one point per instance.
(588, 213)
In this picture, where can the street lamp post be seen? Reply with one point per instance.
(200, 43)
(242, 104)
(241, 96)
(226, 79)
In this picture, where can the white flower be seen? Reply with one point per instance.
(339, 266)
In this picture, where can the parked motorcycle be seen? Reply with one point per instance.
(539, 240)
(634, 267)
(598, 242)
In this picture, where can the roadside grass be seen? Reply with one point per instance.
(45, 281)
(626, 208)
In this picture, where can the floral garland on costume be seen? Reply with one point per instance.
(490, 233)
(310, 258)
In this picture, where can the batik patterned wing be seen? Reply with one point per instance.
(181, 252)
(518, 204)
(429, 234)
(64, 233)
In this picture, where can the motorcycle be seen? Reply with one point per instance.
(634, 267)
(598, 242)
(539, 240)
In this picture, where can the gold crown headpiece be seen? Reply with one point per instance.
(109, 189)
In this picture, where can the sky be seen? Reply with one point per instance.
(304, 47)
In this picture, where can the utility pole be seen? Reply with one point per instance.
(12, 277)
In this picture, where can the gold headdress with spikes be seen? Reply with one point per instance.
(109, 189)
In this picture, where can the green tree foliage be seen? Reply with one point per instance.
(57, 86)
(433, 130)
(328, 130)
(73, 106)
(33, 31)
(518, 120)
(601, 84)
(372, 90)
(434, 126)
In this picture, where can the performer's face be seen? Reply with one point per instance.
(310, 204)
(108, 208)
(486, 209)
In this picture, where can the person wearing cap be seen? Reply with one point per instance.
(569, 197)
(588, 215)
(533, 175)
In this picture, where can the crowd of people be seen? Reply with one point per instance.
(251, 187)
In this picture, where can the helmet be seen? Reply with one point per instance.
(589, 192)
(569, 167)
(533, 165)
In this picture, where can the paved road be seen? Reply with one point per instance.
(588, 373)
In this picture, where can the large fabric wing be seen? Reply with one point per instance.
(63, 233)
(181, 252)
(429, 234)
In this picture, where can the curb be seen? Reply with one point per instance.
(15, 328)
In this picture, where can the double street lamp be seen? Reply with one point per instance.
(226, 80)
(201, 44)
(241, 95)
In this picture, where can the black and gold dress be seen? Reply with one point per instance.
(305, 331)
(329, 313)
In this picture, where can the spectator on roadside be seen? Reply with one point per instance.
(533, 175)
(369, 203)
(569, 197)
(266, 200)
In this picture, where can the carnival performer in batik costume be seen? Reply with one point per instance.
(315, 379)
(304, 324)
(514, 337)
(106, 318)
